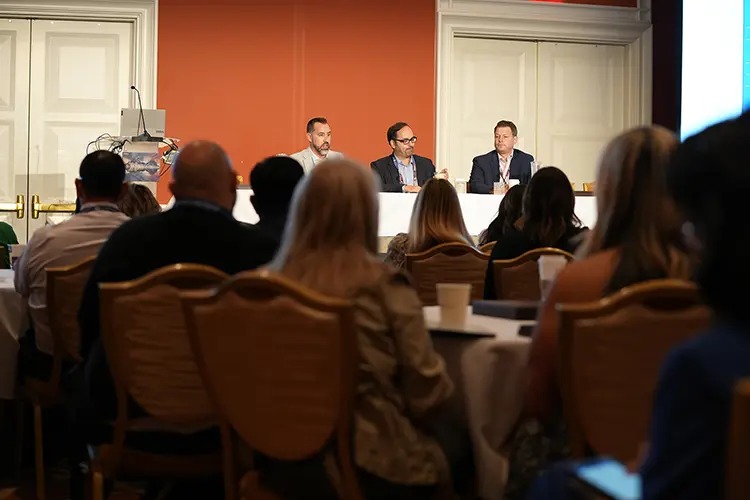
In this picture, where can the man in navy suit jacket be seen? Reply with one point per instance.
(402, 171)
(502, 163)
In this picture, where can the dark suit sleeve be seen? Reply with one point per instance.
(477, 180)
(526, 174)
(385, 187)
(681, 457)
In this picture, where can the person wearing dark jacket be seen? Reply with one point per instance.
(548, 220)
(198, 229)
(402, 171)
(502, 164)
(273, 181)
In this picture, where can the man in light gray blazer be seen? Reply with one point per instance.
(319, 136)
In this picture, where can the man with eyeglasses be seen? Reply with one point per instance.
(502, 163)
(403, 171)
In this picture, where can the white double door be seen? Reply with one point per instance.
(62, 84)
(567, 99)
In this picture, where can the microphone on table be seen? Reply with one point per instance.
(145, 136)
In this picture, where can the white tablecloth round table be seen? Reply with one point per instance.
(489, 374)
(13, 323)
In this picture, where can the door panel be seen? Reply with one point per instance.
(491, 80)
(14, 113)
(81, 74)
(581, 105)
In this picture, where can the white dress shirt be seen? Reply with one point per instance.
(57, 245)
(505, 167)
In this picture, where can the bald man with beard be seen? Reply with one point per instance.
(198, 229)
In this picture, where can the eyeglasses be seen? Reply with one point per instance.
(409, 140)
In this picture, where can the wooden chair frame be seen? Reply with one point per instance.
(487, 247)
(674, 291)
(738, 444)
(449, 250)
(264, 285)
(173, 275)
(46, 393)
(499, 265)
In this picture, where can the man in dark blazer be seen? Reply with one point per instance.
(502, 163)
(198, 229)
(402, 171)
(273, 181)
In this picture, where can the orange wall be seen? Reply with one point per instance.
(250, 73)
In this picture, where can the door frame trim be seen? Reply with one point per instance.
(142, 13)
(544, 22)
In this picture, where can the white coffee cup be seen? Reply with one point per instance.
(453, 299)
(549, 266)
(513, 182)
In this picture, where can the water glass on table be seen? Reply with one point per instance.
(549, 266)
(498, 188)
(453, 299)
(535, 166)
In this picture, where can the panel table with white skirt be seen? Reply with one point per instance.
(395, 211)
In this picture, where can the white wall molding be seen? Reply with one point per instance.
(142, 13)
(549, 22)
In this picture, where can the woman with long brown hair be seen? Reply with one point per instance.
(436, 218)
(330, 246)
(548, 219)
(636, 238)
(508, 213)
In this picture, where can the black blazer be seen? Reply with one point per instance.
(186, 233)
(388, 173)
(485, 170)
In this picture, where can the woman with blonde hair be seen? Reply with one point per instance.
(637, 237)
(138, 200)
(330, 246)
(436, 218)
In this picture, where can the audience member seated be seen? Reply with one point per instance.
(7, 237)
(273, 181)
(99, 186)
(711, 184)
(636, 238)
(508, 214)
(331, 247)
(199, 229)
(548, 220)
(139, 200)
(686, 455)
(436, 218)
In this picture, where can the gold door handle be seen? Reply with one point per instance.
(37, 207)
(17, 207)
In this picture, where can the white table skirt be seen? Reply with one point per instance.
(13, 323)
(395, 211)
(490, 376)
